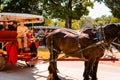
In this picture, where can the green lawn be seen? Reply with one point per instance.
(43, 52)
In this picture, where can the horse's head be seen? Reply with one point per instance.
(112, 32)
(116, 42)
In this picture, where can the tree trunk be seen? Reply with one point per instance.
(68, 21)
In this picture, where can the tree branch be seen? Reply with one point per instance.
(56, 3)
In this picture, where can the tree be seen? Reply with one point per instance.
(49, 22)
(114, 5)
(3, 3)
(66, 9)
(103, 19)
(61, 23)
(23, 6)
(76, 24)
(114, 20)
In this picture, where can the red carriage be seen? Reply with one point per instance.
(9, 52)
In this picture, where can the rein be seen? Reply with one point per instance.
(116, 44)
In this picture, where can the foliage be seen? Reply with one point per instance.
(61, 23)
(49, 22)
(60, 9)
(66, 9)
(76, 24)
(104, 20)
(3, 3)
(22, 6)
(114, 5)
(114, 20)
(69, 13)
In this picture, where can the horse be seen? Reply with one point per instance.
(85, 45)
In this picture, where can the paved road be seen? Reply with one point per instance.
(69, 70)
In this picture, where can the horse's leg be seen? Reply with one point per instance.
(94, 71)
(84, 74)
(85, 64)
(88, 69)
(53, 67)
(56, 56)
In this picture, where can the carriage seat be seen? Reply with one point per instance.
(8, 36)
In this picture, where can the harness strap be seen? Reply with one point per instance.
(116, 43)
(93, 45)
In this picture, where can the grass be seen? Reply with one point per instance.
(43, 52)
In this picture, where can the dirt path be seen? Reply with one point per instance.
(69, 70)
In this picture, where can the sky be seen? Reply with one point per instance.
(98, 10)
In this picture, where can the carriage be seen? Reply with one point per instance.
(9, 52)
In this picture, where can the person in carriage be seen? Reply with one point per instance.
(22, 30)
(14, 26)
(5, 26)
(25, 35)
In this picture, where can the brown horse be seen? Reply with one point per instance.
(83, 45)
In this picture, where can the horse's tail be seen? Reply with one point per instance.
(44, 40)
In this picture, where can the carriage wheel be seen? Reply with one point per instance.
(2, 63)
